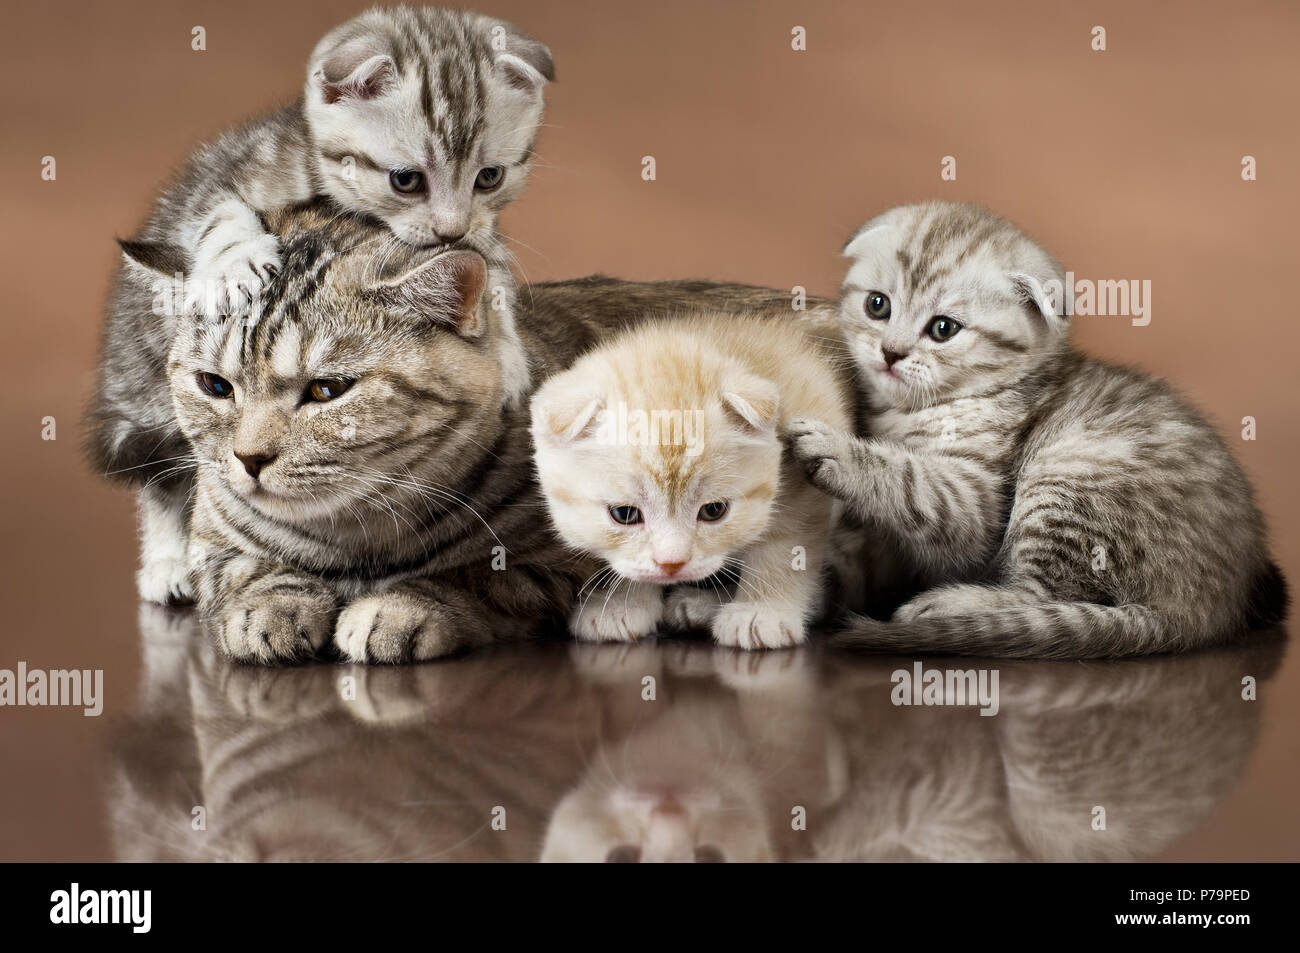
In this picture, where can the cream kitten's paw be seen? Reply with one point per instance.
(825, 452)
(276, 627)
(165, 579)
(395, 627)
(621, 616)
(226, 279)
(686, 607)
(753, 625)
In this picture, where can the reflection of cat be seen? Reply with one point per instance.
(732, 750)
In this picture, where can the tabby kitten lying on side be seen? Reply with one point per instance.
(1059, 506)
(424, 119)
(660, 453)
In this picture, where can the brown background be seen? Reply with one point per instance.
(1126, 163)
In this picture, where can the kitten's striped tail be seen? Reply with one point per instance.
(1050, 630)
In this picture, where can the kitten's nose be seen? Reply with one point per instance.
(891, 357)
(670, 569)
(254, 462)
(448, 235)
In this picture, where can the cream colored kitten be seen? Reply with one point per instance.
(659, 452)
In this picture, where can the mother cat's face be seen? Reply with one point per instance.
(355, 380)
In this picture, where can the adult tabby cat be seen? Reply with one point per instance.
(359, 481)
(1057, 506)
(424, 119)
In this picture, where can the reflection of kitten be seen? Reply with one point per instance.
(424, 119)
(1059, 506)
(659, 453)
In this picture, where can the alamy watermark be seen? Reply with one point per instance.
(621, 425)
(1106, 297)
(957, 687)
(76, 688)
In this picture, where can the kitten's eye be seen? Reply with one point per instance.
(877, 306)
(215, 386)
(625, 515)
(712, 512)
(323, 390)
(489, 178)
(942, 328)
(406, 181)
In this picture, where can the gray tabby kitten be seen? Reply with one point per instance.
(360, 484)
(424, 119)
(1058, 506)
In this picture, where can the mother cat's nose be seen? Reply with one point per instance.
(254, 462)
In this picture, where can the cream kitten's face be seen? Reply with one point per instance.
(943, 300)
(658, 512)
(432, 141)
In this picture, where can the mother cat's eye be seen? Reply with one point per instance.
(322, 390)
(712, 512)
(489, 178)
(625, 515)
(406, 181)
(877, 305)
(215, 386)
(942, 328)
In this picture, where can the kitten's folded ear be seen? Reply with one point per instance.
(447, 288)
(524, 63)
(751, 402)
(563, 414)
(351, 67)
(869, 239)
(153, 259)
(1044, 296)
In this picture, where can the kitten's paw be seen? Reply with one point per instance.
(166, 581)
(229, 281)
(276, 627)
(395, 627)
(688, 608)
(751, 625)
(622, 617)
(825, 452)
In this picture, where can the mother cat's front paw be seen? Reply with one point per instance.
(276, 627)
(395, 627)
(756, 625)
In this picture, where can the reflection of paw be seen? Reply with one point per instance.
(165, 580)
(395, 627)
(619, 616)
(686, 607)
(788, 673)
(276, 627)
(228, 281)
(825, 453)
(750, 625)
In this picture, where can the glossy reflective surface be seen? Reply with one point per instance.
(669, 751)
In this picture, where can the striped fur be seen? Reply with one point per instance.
(1049, 505)
(443, 92)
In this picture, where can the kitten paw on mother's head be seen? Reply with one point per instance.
(229, 281)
